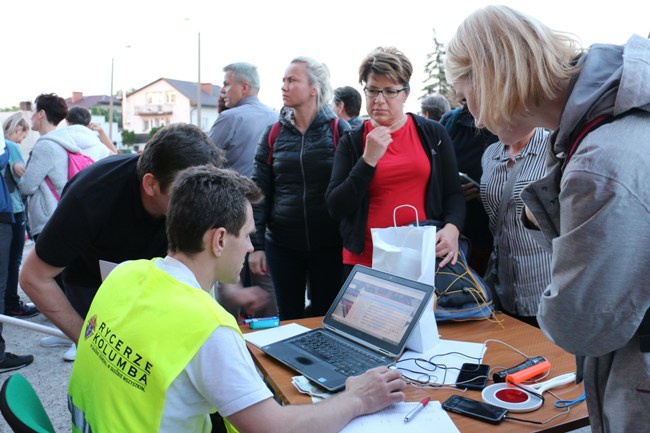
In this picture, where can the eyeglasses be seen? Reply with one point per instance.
(388, 93)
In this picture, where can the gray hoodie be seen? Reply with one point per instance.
(597, 215)
(48, 158)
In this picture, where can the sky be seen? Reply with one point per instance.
(74, 45)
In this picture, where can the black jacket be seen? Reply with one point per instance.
(469, 144)
(293, 213)
(347, 194)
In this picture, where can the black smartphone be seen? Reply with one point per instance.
(475, 409)
(473, 376)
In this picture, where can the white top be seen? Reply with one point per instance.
(221, 375)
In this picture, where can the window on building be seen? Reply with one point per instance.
(154, 97)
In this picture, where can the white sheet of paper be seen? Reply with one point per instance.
(466, 352)
(271, 335)
(432, 418)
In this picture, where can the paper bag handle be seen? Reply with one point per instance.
(417, 219)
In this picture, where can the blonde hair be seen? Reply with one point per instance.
(511, 62)
(14, 122)
(319, 76)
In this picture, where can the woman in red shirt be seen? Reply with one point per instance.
(394, 159)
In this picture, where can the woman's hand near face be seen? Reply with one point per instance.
(377, 142)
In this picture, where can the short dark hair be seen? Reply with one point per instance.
(388, 62)
(79, 116)
(435, 106)
(351, 99)
(174, 148)
(205, 197)
(54, 106)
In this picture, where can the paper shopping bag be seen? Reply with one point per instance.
(409, 252)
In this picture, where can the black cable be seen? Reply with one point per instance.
(522, 420)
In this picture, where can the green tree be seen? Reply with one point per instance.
(154, 130)
(128, 137)
(436, 80)
(102, 111)
(10, 109)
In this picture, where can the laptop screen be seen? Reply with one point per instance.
(377, 307)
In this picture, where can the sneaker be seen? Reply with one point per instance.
(71, 353)
(53, 341)
(14, 362)
(22, 310)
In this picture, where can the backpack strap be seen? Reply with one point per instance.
(51, 185)
(273, 136)
(595, 123)
(336, 135)
(274, 132)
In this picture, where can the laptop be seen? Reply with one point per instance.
(367, 326)
(105, 268)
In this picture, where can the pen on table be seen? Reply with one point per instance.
(416, 409)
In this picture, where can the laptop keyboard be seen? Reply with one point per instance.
(347, 360)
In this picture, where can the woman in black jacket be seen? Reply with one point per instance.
(295, 232)
(393, 159)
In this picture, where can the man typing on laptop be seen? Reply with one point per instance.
(171, 384)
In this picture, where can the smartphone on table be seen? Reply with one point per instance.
(473, 376)
(475, 409)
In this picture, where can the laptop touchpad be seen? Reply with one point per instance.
(303, 360)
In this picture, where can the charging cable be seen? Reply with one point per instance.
(561, 404)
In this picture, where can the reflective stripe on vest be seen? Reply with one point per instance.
(79, 423)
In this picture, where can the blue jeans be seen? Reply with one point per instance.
(12, 299)
(293, 271)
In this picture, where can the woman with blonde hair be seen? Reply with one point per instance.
(16, 129)
(8, 361)
(394, 159)
(294, 230)
(594, 205)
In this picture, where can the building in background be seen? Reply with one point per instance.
(167, 101)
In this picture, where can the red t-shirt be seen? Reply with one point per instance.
(401, 177)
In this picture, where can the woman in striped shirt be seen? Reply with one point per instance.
(524, 268)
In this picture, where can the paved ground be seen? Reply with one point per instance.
(49, 374)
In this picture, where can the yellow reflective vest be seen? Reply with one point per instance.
(142, 330)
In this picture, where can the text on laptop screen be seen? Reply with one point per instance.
(378, 307)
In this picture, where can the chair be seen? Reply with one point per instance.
(22, 408)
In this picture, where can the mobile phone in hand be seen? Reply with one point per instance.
(475, 409)
(473, 376)
(464, 178)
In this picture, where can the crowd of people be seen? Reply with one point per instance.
(268, 213)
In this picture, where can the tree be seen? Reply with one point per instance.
(436, 80)
(128, 137)
(102, 111)
(154, 130)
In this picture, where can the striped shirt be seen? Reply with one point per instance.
(524, 268)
